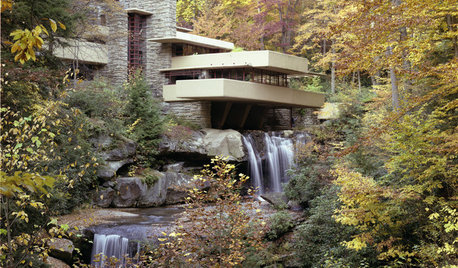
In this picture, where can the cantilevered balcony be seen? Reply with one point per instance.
(221, 89)
(264, 59)
(84, 51)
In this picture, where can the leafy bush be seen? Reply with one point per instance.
(76, 159)
(318, 240)
(101, 102)
(220, 235)
(280, 223)
(145, 121)
(309, 84)
(307, 179)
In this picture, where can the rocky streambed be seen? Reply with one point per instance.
(140, 208)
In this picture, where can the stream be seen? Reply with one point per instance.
(124, 235)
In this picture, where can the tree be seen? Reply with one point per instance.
(279, 20)
(220, 230)
(25, 141)
(408, 214)
(314, 36)
(30, 14)
(145, 122)
(231, 21)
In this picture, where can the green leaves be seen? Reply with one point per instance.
(13, 185)
(218, 235)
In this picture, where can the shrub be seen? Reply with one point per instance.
(307, 179)
(318, 239)
(280, 223)
(220, 235)
(150, 177)
(101, 102)
(145, 121)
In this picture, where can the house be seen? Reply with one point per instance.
(198, 78)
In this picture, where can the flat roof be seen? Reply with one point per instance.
(138, 11)
(183, 29)
(262, 59)
(192, 39)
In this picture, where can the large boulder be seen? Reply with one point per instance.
(207, 143)
(109, 169)
(128, 191)
(168, 188)
(178, 187)
(104, 197)
(227, 143)
(123, 149)
(61, 249)
(115, 153)
(56, 263)
(153, 195)
(193, 144)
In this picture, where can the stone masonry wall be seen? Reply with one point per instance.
(162, 23)
(303, 117)
(197, 112)
(277, 118)
(116, 69)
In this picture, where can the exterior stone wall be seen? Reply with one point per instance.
(277, 119)
(197, 112)
(162, 23)
(303, 117)
(116, 69)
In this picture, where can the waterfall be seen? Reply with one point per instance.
(108, 246)
(279, 157)
(254, 164)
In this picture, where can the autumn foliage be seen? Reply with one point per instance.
(219, 228)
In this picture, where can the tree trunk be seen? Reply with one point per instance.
(451, 27)
(262, 36)
(324, 47)
(359, 81)
(333, 70)
(406, 65)
(394, 84)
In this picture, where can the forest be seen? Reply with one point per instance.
(376, 187)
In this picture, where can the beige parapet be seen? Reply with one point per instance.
(83, 51)
(233, 90)
(264, 59)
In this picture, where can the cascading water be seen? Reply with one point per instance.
(255, 164)
(112, 246)
(279, 157)
(122, 237)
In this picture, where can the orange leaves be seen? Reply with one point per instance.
(218, 228)
(7, 5)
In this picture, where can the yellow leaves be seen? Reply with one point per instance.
(225, 222)
(53, 25)
(355, 244)
(21, 215)
(173, 234)
(26, 41)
